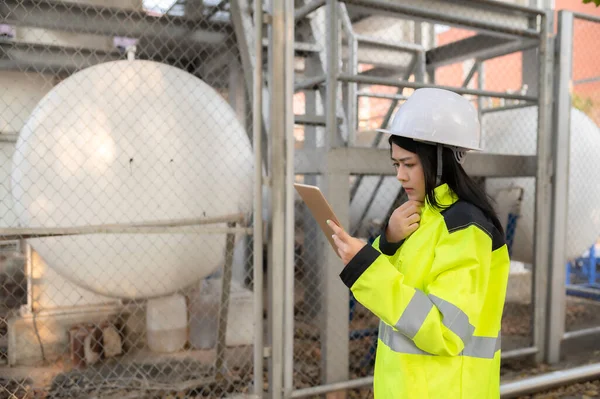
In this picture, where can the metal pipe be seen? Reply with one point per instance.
(586, 80)
(560, 155)
(93, 19)
(506, 108)
(257, 243)
(310, 120)
(581, 333)
(40, 56)
(587, 17)
(480, 86)
(277, 186)
(381, 95)
(509, 48)
(583, 290)
(549, 380)
(331, 73)
(378, 42)
(187, 226)
(470, 75)
(352, 88)
(510, 7)
(372, 80)
(361, 382)
(28, 307)
(560, 200)
(433, 15)
(307, 9)
(224, 304)
(289, 265)
(309, 83)
(322, 389)
(521, 352)
(543, 192)
(9, 137)
(115, 307)
(420, 56)
(335, 355)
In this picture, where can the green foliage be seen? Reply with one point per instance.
(584, 104)
(596, 2)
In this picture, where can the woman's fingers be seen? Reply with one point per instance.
(339, 242)
(412, 228)
(414, 218)
(342, 235)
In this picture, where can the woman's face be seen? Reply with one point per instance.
(409, 172)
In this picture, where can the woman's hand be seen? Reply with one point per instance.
(347, 246)
(404, 221)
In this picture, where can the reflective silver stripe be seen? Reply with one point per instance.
(498, 343)
(479, 347)
(397, 341)
(419, 307)
(482, 347)
(414, 315)
(454, 319)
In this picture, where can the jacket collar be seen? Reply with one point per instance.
(444, 196)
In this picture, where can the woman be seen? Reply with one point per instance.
(436, 276)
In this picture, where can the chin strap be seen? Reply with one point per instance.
(438, 178)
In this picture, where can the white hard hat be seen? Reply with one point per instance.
(438, 116)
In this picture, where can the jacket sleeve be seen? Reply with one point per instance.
(439, 319)
(384, 246)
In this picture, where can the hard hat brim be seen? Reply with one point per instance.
(460, 147)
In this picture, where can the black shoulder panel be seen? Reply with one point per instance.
(464, 214)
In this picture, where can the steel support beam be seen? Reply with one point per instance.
(508, 21)
(481, 47)
(562, 125)
(290, 214)
(277, 173)
(369, 80)
(83, 18)
(543, 189)
(308, 8)
(334, 320)
(38, 57)
(250, 49)
(376, 161)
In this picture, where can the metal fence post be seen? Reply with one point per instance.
(257, 236)
(543, 186)
(277, 173)
(288, 327)
(335, 181)
(562, 115)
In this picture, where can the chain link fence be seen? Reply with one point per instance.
(583, 225)
(126, 259)
(126, 201)
(383, 57)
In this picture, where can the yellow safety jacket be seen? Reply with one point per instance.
(439, 295)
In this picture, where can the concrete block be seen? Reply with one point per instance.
(519, 288)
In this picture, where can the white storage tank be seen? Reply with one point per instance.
(515, 132)
(131, 142)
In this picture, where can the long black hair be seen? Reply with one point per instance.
(453, 175)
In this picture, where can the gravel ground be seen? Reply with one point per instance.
(123, 381)
(516, 332)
